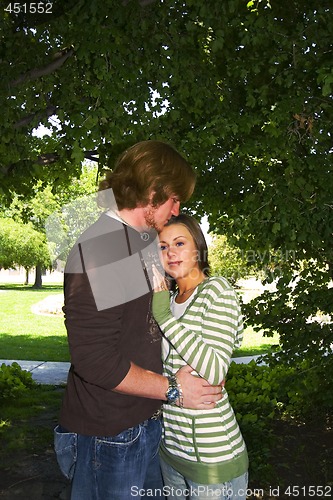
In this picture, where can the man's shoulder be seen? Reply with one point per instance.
(103, 225)
(95, 243)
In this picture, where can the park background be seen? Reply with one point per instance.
(244, 90)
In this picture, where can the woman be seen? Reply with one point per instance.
(203, 454)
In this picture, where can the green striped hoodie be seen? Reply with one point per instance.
(206, 446)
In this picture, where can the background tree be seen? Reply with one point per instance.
(228, 261)
(33, 213)
(22, 245)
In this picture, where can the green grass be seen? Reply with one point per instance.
(255, 343)
(25, 335)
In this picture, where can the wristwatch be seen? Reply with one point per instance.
(174, 392)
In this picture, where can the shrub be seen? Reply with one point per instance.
(14, 381)
(254, 393)
(262, 393)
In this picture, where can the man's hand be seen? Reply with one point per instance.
(198, 394)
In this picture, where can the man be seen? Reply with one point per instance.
(109, 433)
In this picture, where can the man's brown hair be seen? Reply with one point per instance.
(149, 167)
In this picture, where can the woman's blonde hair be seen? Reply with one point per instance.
(149, 168)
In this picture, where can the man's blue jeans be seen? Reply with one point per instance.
(122, 467)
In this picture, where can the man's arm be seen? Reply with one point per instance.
(197, 393)
(96, 358)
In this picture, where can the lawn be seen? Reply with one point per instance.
(25, 335)
(255, 343)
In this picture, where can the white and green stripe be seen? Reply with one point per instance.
(205, 445)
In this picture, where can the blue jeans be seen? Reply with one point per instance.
(176, 486)
(121, 467)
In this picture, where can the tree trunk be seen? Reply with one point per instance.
(27, 276)
(38, 277)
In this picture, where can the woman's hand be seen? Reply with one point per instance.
(159, 282)
(161, 298)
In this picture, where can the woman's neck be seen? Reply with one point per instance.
(186, 286)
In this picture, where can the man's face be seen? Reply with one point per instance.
(157, 217)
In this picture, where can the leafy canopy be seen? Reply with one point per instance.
(244, 89)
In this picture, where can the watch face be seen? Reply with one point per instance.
(173, 394)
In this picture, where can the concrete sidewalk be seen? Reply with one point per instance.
(55, 373)
(43, 372)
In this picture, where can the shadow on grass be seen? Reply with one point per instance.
(19, 286)
(32, 348)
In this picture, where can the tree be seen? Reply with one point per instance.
(34, 212)
(238, 81)
(61, 71)
(22, 245)
(243, 88)
(228, 261)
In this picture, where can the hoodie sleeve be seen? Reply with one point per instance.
(208, 352)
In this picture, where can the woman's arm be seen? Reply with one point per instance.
(210, 354)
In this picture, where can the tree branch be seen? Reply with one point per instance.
(91, 155)
(49, 111)
(44, 159)
(59, 60)
(48, 158)
(143, 3)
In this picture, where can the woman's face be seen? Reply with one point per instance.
(179, 254)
